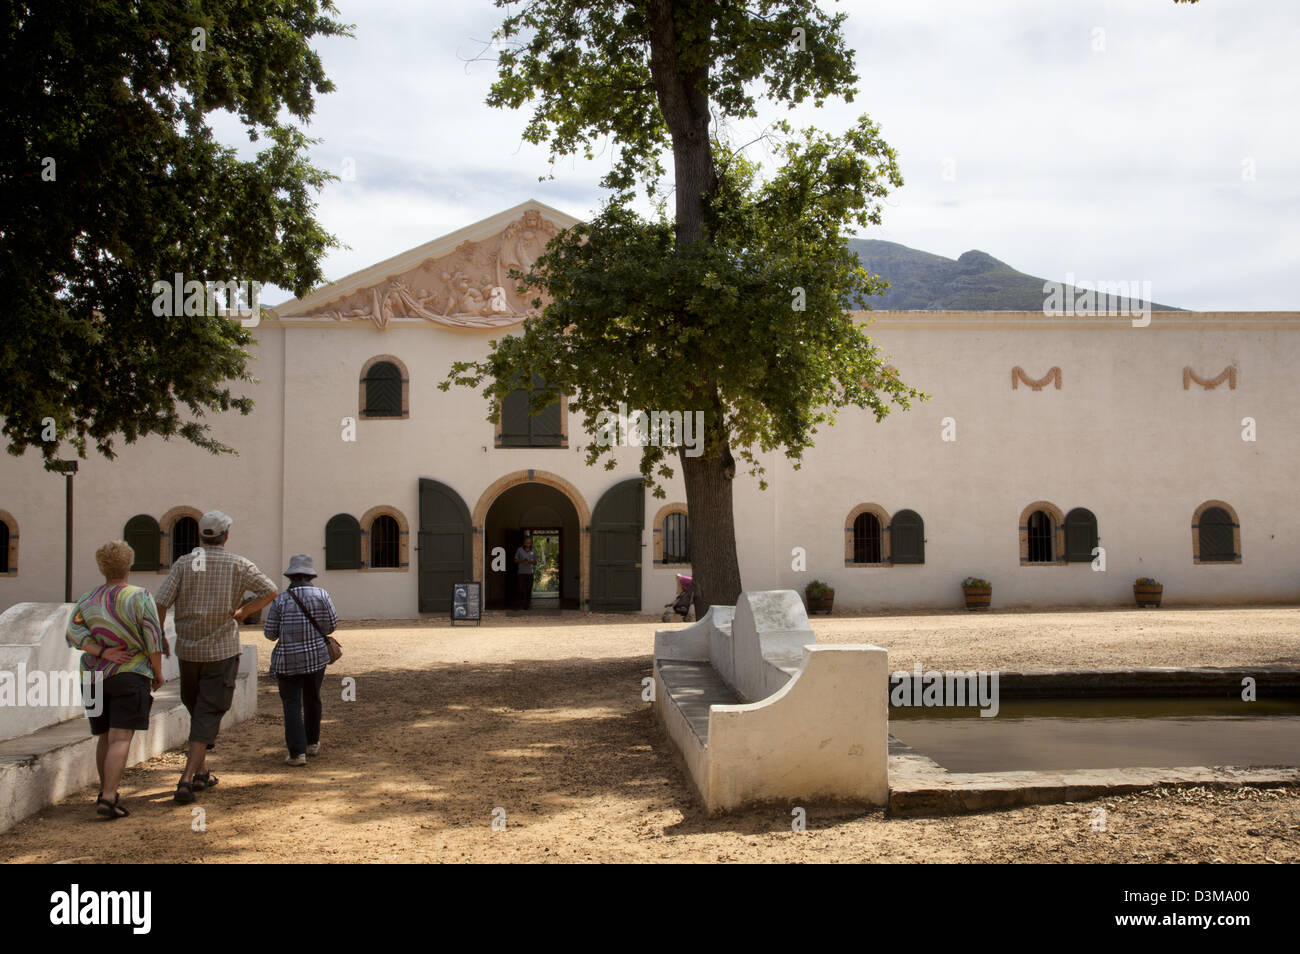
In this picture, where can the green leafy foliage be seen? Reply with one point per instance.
(111, 180)
(817, 590)
(735, 308)
(633, 319)
(586, 66)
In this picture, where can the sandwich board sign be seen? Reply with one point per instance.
(466, 602)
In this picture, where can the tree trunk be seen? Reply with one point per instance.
(715, 569)
(684, 102)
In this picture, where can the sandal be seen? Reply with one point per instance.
(184, 792)
(110, 810)
(205, 780)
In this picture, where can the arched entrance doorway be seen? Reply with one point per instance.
(543, 509)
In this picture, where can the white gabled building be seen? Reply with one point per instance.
(1174, 448)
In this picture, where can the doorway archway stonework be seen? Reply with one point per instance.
(546, 478)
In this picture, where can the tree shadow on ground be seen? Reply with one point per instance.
(418, 753)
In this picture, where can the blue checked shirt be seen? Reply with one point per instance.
(300, 648)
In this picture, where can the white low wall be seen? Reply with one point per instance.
(32, 640)
(47, 752)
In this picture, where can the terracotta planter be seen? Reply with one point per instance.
(978, 597)
(821, 604)
(1147, 594)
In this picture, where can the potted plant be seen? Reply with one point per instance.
(978, 593)
(1148, 592)
(819, 596)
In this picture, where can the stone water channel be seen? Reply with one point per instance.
(1095, 733)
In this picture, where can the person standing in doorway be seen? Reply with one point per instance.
(207, 590)
(526, 561)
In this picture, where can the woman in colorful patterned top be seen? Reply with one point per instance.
(116, 628)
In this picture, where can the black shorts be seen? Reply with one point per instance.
(207, 691)
(127, 701)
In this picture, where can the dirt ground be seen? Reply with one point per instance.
(541, 721)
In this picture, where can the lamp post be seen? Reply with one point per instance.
(67, 468)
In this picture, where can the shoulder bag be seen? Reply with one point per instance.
(331, 644)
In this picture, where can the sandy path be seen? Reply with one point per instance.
(547, 722)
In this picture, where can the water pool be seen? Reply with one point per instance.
(1050, 734)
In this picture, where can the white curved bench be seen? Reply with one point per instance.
(760, 713)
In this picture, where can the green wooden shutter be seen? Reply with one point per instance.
(384, 390)
(521, 428)
(343, 543)
(1080, 535)
(907, 538)
(516, 427)
(143, 536)
(616, 526)
(446, 545)
(1216, 536)
(545, 427)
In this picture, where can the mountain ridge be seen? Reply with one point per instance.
(974, 281)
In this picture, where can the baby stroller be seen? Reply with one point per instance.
(682, 604)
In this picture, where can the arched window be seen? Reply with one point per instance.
(144, 537)
(519, 427)
(384, 539)
(867, 539)
(4, 547)
(1080, 535)
(385, 388)
(1042, 535)
(677, 538)
(907, 538)
(1216, 534)
(385, 542)
(185, 537)
(1040, 538)
(343, 543)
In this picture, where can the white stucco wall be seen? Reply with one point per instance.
(1121, 437)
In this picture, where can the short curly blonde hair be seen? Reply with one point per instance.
(115, 558)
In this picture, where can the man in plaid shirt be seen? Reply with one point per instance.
(207, 588)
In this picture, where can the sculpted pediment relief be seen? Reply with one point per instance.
(469, 288)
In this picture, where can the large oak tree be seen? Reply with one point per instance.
(735, 305)
(111, 179)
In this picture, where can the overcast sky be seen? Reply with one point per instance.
(1108, 139)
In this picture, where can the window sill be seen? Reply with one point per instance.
(384, 569)
(851, 565)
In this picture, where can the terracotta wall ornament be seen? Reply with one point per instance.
(470, 288)
(1018, 375)
(1229, 374)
